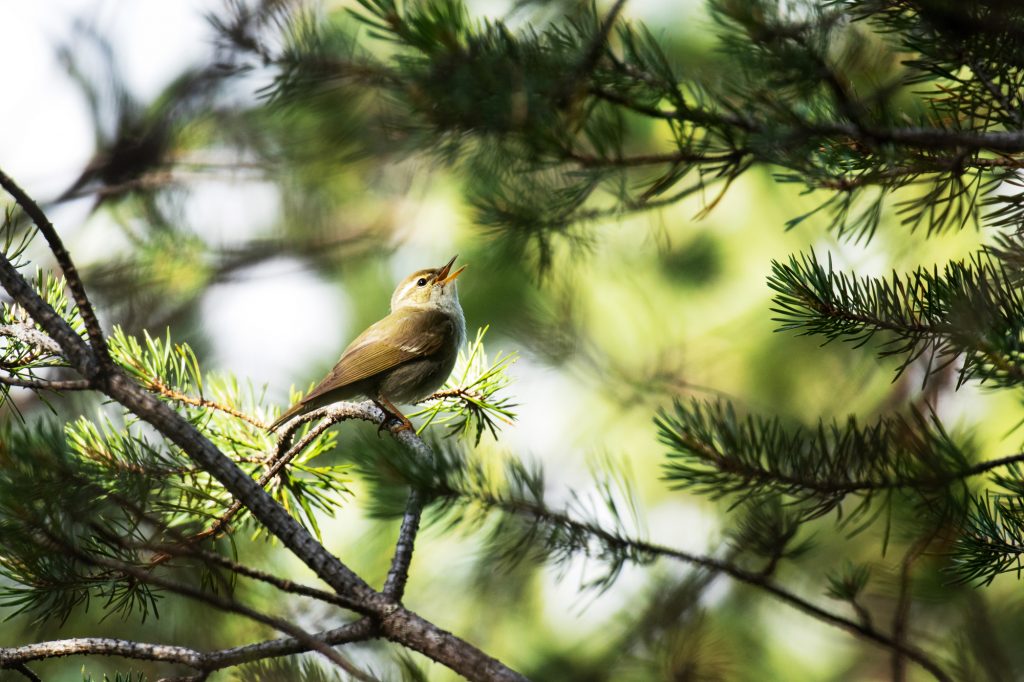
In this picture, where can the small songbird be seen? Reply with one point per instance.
(404, 357)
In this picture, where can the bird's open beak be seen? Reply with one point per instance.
(443, 277)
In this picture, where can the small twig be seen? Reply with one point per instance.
(48, 384)
(187, 548)
(470, 399)
(279, 462)
(163, 389)
(398, 575)
(862, 613)
(353, 632)
(754, 579)
(331, 415)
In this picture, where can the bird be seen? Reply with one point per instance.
(402, 358)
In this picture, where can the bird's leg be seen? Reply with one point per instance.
(390, 410)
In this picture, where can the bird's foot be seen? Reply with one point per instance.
(394, 424)
(391, 416)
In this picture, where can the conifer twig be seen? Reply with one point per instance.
(279, 462)
(177, 396)
(67, 266)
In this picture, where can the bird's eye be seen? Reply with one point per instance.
(422, 281)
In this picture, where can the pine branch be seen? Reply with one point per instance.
(276, 464)
(561, 528)
(970, 309)
(471, 399)
(717, 452)
(990, 540)
(395, 622)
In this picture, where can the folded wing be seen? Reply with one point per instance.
(405, 335)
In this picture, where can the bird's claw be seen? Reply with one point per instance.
(394, 425)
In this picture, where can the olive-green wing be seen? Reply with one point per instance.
(404, 335)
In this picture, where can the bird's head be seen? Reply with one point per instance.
(429, 288)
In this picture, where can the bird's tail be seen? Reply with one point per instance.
(293, 411)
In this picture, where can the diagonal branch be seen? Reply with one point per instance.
(332, 415)
(74, 280)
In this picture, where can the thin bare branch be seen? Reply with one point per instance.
(902, 613)
(16, 657)
(190, 550)
(398, 574)
(74, 280)
(48, 384)
(177, 396)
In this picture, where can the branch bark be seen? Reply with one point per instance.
(74, 281)
(398, 575)
(203, 661)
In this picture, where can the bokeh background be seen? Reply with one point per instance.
(268, 270)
